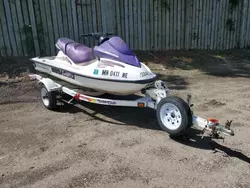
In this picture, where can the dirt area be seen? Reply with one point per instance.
(98, 146)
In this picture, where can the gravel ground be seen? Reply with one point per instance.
(98, 146)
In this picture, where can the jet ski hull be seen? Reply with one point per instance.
(60, 70)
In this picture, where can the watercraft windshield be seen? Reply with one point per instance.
(115, 48)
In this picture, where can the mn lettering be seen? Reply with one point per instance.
(105, 72)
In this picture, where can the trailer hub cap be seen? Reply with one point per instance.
(170, 116)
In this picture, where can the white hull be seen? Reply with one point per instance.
(118, 80)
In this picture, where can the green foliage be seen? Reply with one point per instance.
(12, 1)
(29, 40)
(230, 24)
(233, 4)
(195, 36)
(39, 26)
(165, 4)
(40, 38)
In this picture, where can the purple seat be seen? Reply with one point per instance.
(78, 53)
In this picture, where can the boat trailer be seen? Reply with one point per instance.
(174, 115)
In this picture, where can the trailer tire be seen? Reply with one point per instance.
(48, 98)
(174, 115)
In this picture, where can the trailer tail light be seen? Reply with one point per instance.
(141, 104)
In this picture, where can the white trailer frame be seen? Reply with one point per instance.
(151, 99)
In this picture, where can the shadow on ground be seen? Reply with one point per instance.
(227, 63)
(13, 66)
(174, 82)
(194, 139)
(146, 119)
(140, 117)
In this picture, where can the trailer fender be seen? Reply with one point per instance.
(49, 84)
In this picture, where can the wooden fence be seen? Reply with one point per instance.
(31, 27)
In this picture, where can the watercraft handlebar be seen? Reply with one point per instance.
(97, 36)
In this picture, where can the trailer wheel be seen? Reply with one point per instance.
(48, 98)
(174, 115)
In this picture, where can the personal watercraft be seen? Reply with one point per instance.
(110, 67)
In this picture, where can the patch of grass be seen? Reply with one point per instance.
(219, 57)
(183, 59)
